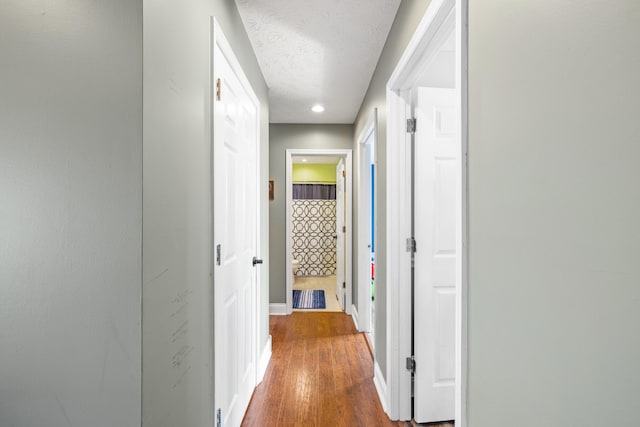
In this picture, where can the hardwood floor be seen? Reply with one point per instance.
(321, 374)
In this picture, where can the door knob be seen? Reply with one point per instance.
(256, 261)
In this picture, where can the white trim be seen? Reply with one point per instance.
(354, 316)
(462, 82)
(408, 66)
(277, 309)
(370, 126)
(346, 154)
(403, 78)
(218, 39)
(264, 360)
(381, 386)
(364, 224)
(287, 220)
(398, 259)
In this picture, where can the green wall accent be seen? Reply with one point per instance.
(314, 173)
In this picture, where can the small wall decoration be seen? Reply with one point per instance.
(271, 189)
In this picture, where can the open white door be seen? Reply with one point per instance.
(366, 224)
(436, 181)
(435, 59)
(235, 177)
(340, 232)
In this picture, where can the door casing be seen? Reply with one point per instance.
(395, 390)
(340, 234)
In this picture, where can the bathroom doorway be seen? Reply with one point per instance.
(318, 230)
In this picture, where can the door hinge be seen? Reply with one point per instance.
(344, 228)
(219, 417)
(218, 89)
(344, 173)
(411, 364)
(218, 251)
(344, 285)
(411, 125)
(411, 244)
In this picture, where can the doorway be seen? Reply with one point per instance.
(314, 245)
(366, 144)
(426, 227)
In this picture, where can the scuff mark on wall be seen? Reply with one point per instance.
(64, 411)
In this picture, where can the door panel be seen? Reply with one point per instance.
(230, 385)
(235, 229)
(445, 208)
(436, 158)
(445, 305)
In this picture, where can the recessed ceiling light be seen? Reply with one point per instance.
(304, 160)
(317, 108)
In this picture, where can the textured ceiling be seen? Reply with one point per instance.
(317, 51)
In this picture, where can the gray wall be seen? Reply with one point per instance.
(554, 206)
(177, 202)
(70, 212)
(406, 21)
(283, 137)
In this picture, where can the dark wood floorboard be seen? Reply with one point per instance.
(321, 374)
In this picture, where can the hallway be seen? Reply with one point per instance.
(320, 374)
(125, 301)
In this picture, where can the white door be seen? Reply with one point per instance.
(235, 227)
(436, 157)
(340, 232)
(366, 235)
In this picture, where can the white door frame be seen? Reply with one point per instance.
(346, 155)
(364, 321)
(416, 56)
(218, 39)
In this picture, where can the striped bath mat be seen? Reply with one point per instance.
(309, 299)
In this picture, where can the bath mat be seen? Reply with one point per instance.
(309, 299)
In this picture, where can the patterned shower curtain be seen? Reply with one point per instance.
(314, 228)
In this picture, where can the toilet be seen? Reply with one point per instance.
(295, 264)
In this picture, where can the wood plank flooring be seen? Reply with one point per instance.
(321, 374)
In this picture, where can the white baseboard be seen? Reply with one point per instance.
(277, 308)
(381, 386)
(354, 316)
(265, 357)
